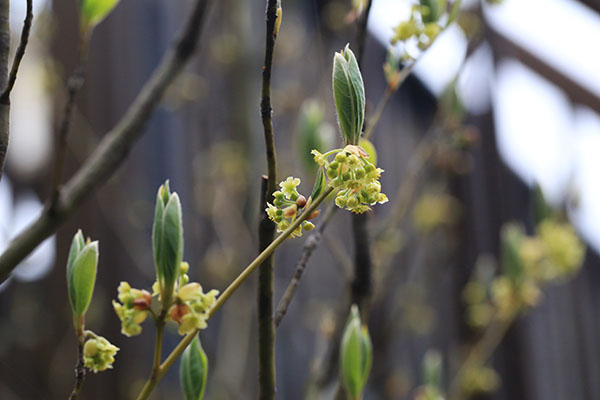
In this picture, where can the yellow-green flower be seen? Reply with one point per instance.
(356, 178)
(192, 307)
(98, 354)
(288, 187)
(133, 309)
(288, 205)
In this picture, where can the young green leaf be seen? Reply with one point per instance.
(319, 185)
(355, 356)
(92, 12)
(193, 371)
(167, 240)
(349, 95)
(82, 265)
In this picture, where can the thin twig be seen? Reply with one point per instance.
(374, 120)
(4, 106)
(230, 290)
(360, 291)
(310, 245)
(481, 352)
(266, 228)
(153, 380)
(361, 32)
(12, 76)
(79, 370)
(74, 84)
(113, 149)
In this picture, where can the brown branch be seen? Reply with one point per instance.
(79, 370)
(113, 149)
(12, 76)
(312, 242)
(266, 229)
(4, 105)
(361, 32)
(74, 84)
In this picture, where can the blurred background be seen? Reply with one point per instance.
(506, 99)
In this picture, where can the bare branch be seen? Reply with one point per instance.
(113, 149)
(12, 77)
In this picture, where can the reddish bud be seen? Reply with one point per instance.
(301, 202)
(178, 311)
(144, 302)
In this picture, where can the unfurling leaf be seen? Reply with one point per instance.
(82, 264)
(167, 240)
(319, 185)
(92, 12)
(356, 356)
(193, 371)
(349, 95)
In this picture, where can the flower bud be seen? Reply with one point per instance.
(143, 302)
(98, 354)
(301, 201)
(178, 311)
(349, 95)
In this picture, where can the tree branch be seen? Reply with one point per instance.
(266, 228)
(310, 245)
(12, 77)
(74, 84)
(79, 370)
(4, 105)
(113, 149)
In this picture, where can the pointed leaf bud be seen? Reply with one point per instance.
(82, 265)
(193, 371)
(355, 356)
(167, 241)
(349, 95)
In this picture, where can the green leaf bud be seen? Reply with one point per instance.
(355, 356)
(82, 264)
(167, 240)
(349, 95)
(92, 12)
(193, 371)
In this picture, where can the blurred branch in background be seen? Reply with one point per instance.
(5, 104)
(113, 149)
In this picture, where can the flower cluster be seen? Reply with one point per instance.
(354, 176)
(191, 307)
(422, 27)
(529, 262)
(287, 206)
(133, 309)
(98, 353)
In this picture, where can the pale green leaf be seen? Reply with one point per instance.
(193, 371)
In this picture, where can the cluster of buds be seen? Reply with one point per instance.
(528, 262)
(287, 205)
(356, 179)
(98, 353)
(425, 23)
(133, 309)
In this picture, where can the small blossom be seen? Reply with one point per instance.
(288, 187)
(192, 307)
(133, 309)
(288, 204)
(99, 354)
